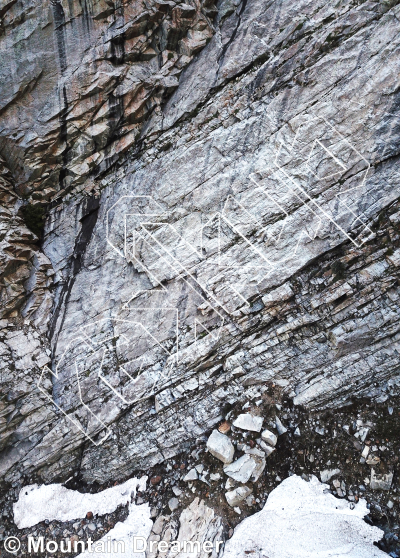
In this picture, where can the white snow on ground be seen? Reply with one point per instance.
(54, 501)
(300, 521)
(137, 524)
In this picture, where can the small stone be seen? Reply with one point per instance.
(381, 482)
(199, 468)
(173, 504)
(234, 497)
(269, 437)
(365, 452)
(224, 427)
(250, 500)
(230, 483)
(177, 491)
(155, 480)
(267, 449)
(279, 426)
(247, 421)
(220, 447)
(319, 430)
(92, 527)
(254, 451)
(362, 434)
(297, 432)
(390, 504)
(215, 476)
(373, 460)
(238, 510)
(191, 475)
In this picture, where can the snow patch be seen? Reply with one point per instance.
(137, 524)
(55, 502)
(300, 521)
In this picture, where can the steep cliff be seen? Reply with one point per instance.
(196, 199)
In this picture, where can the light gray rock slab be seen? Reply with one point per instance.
(279, 426)
(266, 448)
(269, 437)
(234, 497)
(220, 447)
(247, 421)
(245, 468)
(381, 481)
(173, 504)
(191, 475)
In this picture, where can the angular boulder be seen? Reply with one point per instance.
(220, 447)
(234, 497)
(247, 421)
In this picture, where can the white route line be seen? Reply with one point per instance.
(69, 416)
(141, 232)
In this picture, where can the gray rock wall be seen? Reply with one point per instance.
(221, 193)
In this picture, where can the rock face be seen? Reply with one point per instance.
(220, 190)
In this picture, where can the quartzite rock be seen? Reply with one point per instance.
(191, 476)
(234, 497)
(381, 481)
(269, 437)
(247, 421)
(220, 447)
(246, 467)
(279, 426)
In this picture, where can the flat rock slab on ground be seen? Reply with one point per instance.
(246, 421)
